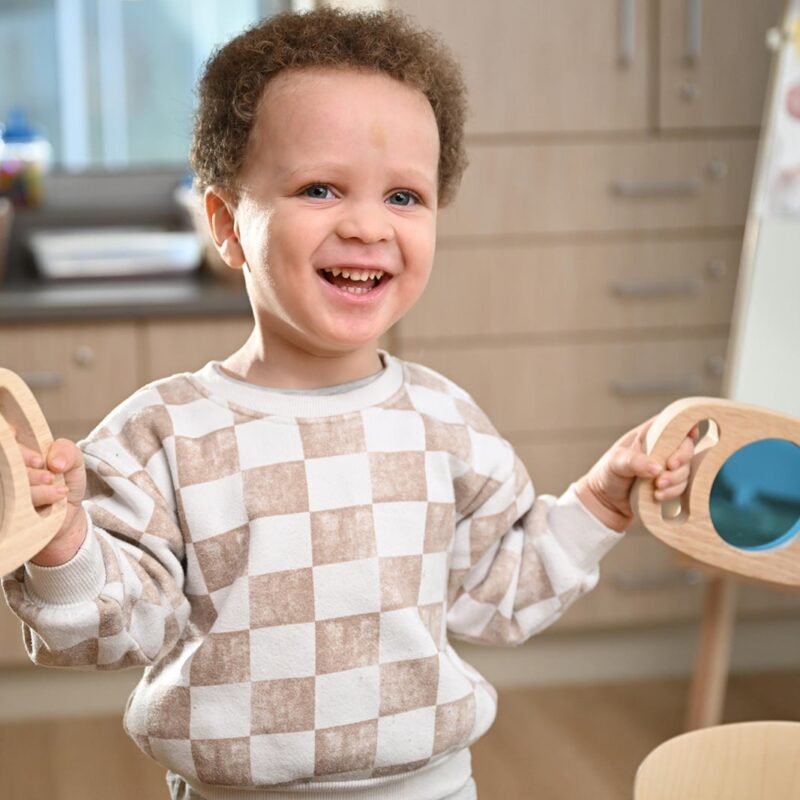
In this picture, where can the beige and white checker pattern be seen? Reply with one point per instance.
(292, 580)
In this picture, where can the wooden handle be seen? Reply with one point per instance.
(692, 531)
(24, 531)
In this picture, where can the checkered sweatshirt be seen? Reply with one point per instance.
(287, 568)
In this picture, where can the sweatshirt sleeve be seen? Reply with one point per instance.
(519, 561)
(119, 602)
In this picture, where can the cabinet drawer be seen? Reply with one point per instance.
(77, 372)
(486, 289)
(551, 387)
(188, 344)
(637, 185)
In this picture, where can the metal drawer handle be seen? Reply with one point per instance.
(670, 386)
(661, 288)
(662, 579)
(627, 32)
(694, 16)
(44, 379)
(627, 188)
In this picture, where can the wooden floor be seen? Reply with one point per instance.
(547, 743)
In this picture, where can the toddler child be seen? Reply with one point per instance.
(285, 539)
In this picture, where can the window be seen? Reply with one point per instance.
(111, 82)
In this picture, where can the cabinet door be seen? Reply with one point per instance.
(547, 65)
(714, 62)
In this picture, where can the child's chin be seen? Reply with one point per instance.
(353, 340)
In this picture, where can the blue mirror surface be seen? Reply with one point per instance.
(755, 497)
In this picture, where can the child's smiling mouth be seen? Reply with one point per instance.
(354, 280)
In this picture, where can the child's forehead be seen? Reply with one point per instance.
(322, 88)
(310, 112)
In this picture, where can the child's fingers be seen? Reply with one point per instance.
(683, 455)
(32, 458)
(670, 493)
(63, 456)
(673, 476)
(672, 483)
(39, 477)
(46, 495)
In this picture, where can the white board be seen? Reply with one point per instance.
(763, 363)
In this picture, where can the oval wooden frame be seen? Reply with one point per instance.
(692, 531)
(23, 530)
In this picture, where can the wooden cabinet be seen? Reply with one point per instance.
(714, 62)
(185, 345)
(585, 272)
(78, 372)
(548, 66)
(570, 66)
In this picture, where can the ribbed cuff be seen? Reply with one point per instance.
(80, 579)
(586, 538)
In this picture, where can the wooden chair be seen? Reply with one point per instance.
(744, 761)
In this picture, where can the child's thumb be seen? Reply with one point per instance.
(65, 458)
(631, 462)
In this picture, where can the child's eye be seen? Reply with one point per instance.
(403, 198)
(318, 191)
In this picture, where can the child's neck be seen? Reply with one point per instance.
(281, 365)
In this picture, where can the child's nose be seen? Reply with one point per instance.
(366, 221)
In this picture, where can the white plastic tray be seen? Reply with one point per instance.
(114, 252)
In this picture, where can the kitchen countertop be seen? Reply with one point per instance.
(199, 295)
(26, 297)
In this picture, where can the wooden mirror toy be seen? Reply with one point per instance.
(741, 510)
(24, 531)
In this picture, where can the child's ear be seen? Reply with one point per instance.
(221, 215)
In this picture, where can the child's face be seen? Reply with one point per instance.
(340, 174)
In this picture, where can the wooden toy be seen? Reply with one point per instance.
(692, 529)
(24, 531)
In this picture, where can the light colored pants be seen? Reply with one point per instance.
(180, 790)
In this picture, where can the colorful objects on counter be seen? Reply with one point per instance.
(25, 156)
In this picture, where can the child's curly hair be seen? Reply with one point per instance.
(386, 42)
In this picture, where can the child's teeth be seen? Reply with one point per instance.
(355, 275)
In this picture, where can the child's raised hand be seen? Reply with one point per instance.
(605, 490)
(63, 458)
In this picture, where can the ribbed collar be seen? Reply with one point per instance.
(258, 398)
